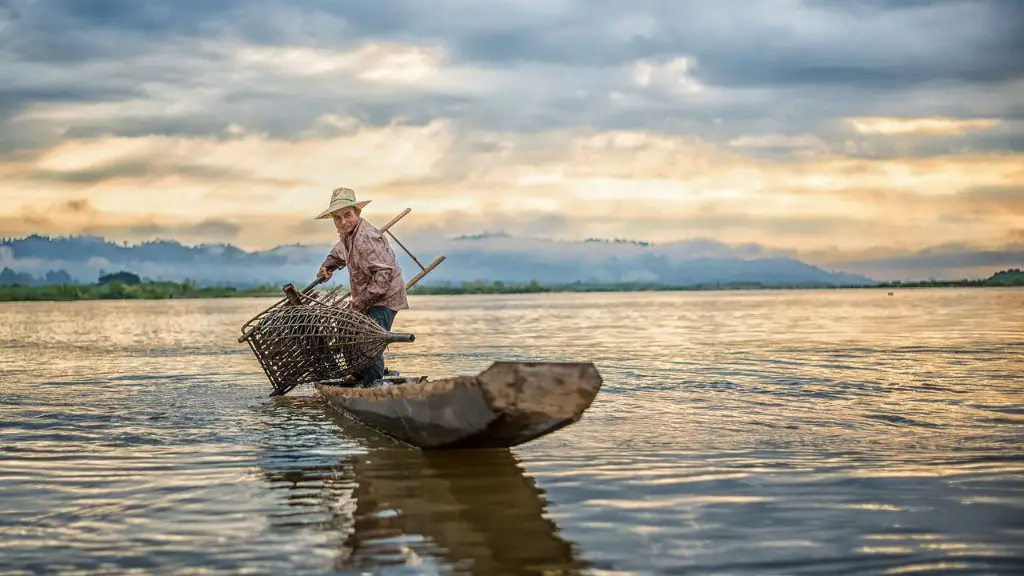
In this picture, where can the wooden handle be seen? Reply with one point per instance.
(291, 295)
(424, 272)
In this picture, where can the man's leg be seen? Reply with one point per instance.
(385, 317)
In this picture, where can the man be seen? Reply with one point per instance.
(375, 280)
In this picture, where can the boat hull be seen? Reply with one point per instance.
(506, 405)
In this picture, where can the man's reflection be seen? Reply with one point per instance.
(473, 511)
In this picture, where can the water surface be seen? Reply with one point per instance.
(737, 432)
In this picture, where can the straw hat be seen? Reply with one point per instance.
(342, 198)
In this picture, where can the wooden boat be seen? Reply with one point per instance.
(507, 404)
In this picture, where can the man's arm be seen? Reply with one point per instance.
(335, 259)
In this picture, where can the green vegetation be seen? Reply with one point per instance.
(1012, 277)
(118, 290)
(126, 286)
(533, 287)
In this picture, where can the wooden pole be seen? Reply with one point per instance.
(411, 255)
(425, 271)
(291, 295)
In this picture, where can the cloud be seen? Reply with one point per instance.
(942, 262)
(212, 174)
(375, 62)
(205, 231)
(78, 205)
(783, 146)
(143, 171)
(803, 125)
(162, 68)
(558, 184)
(890, 126)
(989, 200)
(77, 216)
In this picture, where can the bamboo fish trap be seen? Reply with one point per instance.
(307, 337)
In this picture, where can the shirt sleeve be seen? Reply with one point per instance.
(335, 258)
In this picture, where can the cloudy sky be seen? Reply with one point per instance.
(864, 128)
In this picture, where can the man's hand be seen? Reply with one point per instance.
(324, 273)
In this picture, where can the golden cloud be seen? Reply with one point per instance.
(251, 173)
(885, 126)
(622, 183)
(376, 61)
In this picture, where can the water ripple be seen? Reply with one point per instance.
(834, 432)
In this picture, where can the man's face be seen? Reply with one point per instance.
(345, 220)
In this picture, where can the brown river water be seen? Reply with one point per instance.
(762, 432)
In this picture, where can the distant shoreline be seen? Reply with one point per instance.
(479, 289)
(116, 291)
(187, 290)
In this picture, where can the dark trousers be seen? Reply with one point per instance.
(385, 317)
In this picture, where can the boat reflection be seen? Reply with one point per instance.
(473, 512)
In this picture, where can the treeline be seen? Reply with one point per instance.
(532, 287)
(1011, 277)
(9, 277)
(128, 286)
(131, 290)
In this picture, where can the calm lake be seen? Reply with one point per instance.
(816, 432)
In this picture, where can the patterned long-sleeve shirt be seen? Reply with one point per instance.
(375, 279)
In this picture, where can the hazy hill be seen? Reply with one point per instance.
(486, 257)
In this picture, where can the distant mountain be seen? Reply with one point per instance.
(487, 257)
(943, 262)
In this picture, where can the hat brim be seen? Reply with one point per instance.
(332, 210)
